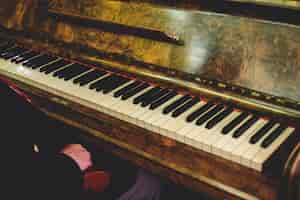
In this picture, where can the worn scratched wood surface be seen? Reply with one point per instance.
(295, 4)
(183, 164)
(257, 54)
(260, 55)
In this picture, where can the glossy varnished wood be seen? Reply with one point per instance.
(259, 55)
(179, 162)
(252, 53)
(280, 3)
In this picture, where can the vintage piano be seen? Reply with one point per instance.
(206, 93)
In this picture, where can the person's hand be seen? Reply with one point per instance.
(79, 154)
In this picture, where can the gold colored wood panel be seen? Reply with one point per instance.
(259, 55)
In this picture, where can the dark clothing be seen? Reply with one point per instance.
(54, 176)
(146, 187)
(31, 175)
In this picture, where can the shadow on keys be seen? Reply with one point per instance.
(42, 164)
(43, 161)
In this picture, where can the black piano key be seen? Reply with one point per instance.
(163, 100)
(19, 56)
(76, 73)
(185, 107)
(107, 84)
(73, 71)
(200, 111)
(100, 84)
(117, 83)
(204, 118)
(89, 77)
(261, 132)
(6, 47)
(155, 97)
(26, 56)
(22, 55)
(146, 95)
(273, 136)
(40, 61)
(129, 87)
(134, 91)
(47, 69)
(234, 123)
(8, 50)
(16, 51)
(242, 129)
(176, 104)
(61, 72)
(215, 120)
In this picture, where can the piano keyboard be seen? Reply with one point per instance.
(214, 127)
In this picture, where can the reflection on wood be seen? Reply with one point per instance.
(295, 4)
(116, 27)
(254, 54)
(181, 163)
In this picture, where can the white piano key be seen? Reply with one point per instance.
(125, 108)
(145, 116)
(177, 128)
(148, 117)
(205, 136)
(109, 102)
(227, 139)
(264, 153)
(192, 131)
(214, 134)
(159, 117)
(253, 149)
(188, 127)
(160, 122)
(59, 84)
(179, 122)
(228, 150)
(109, 98)
(168, 127)
(140, 111)
(241, 144)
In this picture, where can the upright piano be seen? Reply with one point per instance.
(206, 93)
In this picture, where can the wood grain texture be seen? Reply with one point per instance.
(223, 179)
(255, 54)
(295, 4)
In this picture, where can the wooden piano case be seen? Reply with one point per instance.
(160, 42)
